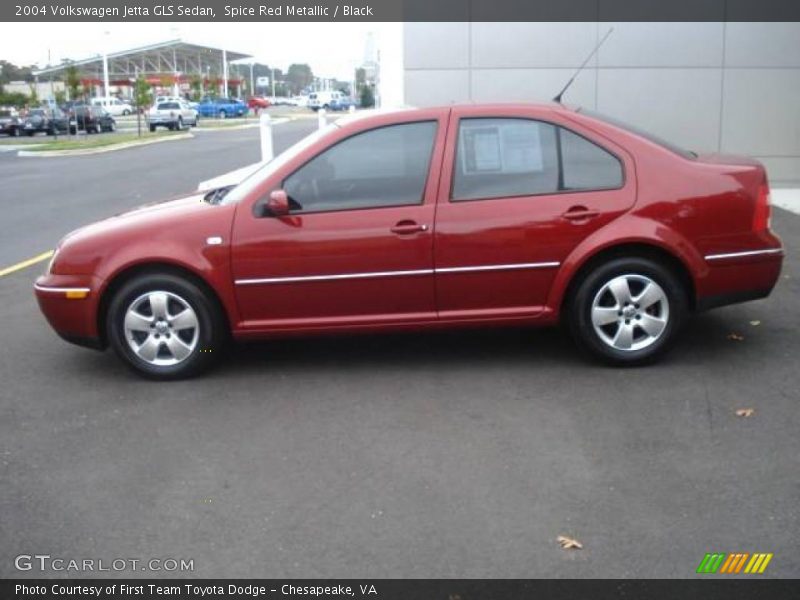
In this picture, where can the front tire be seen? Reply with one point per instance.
(627, 311)
(165, 327)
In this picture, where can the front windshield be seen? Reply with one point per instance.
(251, 182)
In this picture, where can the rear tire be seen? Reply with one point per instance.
(165, 327)
(627, 311)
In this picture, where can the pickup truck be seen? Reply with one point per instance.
(222, 107)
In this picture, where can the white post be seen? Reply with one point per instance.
(321, 121)
(105, 63)
(224, 73)
(352, 109)
(266, 137)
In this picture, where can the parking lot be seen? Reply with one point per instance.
(458, 454)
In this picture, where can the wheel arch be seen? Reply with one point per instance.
(126, 274)
(638, 249)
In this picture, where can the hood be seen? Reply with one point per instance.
(153, 214)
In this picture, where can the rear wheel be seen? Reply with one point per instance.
(222, 114)
(627, 311)
(179, 126)
(165, 326)
(15, 132)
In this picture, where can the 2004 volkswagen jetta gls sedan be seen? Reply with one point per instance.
(415, 219)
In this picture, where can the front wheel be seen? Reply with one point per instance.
(627, 311)
(165, 327)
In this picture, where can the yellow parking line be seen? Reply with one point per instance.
(26, 263)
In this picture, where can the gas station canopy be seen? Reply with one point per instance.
(175, 60)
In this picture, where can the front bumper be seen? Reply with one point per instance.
(70, 304)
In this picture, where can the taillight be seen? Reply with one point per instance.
(761, 217)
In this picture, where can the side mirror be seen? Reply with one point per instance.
(278, 203)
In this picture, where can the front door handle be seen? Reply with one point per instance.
(580, 213)
(408, 227)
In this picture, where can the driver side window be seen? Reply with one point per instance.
(387, 166)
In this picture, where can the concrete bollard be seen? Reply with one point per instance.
(321, 121)
(352, 109)
(265, 127)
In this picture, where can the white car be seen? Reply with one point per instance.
(113, 106)
(173, 114)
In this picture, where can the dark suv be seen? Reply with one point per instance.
(93, 119)
(47, 120)
(9, 122)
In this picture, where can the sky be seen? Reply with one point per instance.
(332, 49)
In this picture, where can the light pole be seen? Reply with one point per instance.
(252, 81)
(105, 64)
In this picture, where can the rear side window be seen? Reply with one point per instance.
(501, 158)
(387, 166)
(586, 166)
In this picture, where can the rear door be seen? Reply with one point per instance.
(520, 189)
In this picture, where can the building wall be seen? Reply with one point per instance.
(721, 87)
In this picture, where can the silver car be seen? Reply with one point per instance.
(173, 115)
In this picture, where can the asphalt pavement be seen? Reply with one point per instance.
(461, 454)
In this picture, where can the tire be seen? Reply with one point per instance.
(126, 112)
(222, 114)
(112, 127)
(157, 350)
(152, 128)
(629, 334)
(31, 133)
(179, 124)
(15, 132)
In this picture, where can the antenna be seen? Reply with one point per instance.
(588, 58)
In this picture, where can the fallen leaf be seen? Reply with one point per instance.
(755, 323)
(735, 337)
(745, 412)
(568, 543)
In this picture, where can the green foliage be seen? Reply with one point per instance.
(141, 92)
(15, 99)
(60, 97)
(367, 97)
(72, 79)
(34, 97)
(196, 85)
(11, 72)
(299, 77)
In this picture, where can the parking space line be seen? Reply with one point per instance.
(26, 263)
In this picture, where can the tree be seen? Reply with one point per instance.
(34, 98)
(141, 92)
(60, 97)
(73, 81)
(196, 85)
(367, 97)
(299, 77)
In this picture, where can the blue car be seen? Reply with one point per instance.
(222, 108)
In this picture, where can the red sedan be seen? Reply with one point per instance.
(257, 103)
(418, 219)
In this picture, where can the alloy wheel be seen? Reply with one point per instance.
(161, 328)
(630, 312)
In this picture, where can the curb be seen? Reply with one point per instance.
(102, 149)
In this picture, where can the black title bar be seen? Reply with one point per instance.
(712, 588)
(400, 10)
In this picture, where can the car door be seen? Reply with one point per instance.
(521, 188)
(356, 247)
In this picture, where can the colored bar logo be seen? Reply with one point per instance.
(734, 563)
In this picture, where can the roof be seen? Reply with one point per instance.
(177, 49)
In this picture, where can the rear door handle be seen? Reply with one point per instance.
(408, 227)
(580, 213)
